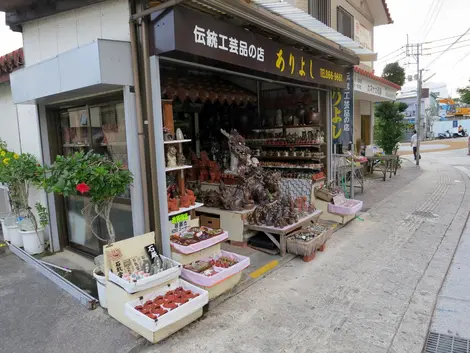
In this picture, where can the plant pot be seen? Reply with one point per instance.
(6, 237)
(101, 285)
(15, 237)
(33, 242)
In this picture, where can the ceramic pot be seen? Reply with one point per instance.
(33, 243)
(15, 237)
(6, 237)
(101, 285)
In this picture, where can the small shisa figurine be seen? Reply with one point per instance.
(320, 136)
(278, 121)
(172, 204)
(180, 159)
(171, 157)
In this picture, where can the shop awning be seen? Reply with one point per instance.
(303, 19)
(204, 89)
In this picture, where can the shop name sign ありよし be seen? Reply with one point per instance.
(208, 38)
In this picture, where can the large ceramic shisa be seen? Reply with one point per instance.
(254, 185)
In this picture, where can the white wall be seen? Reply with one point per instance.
(45, 38)
(442, 126)
(8, 119)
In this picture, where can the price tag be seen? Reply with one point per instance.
(339, 199)
(179, 223)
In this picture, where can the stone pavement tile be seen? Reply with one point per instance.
(343, 343)
(411, 334)
(369, 331)
(452, 317)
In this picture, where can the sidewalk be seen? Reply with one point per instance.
(372, 291)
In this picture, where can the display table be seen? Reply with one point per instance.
(388, 164)
(231, 221)
(283, 232)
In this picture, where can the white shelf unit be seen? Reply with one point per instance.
(175, 141)
(178, 168)
(185, 209)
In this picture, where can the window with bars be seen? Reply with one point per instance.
(345, 23)
(321, 10)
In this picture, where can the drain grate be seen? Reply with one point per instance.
(425, 214)
(438, 343)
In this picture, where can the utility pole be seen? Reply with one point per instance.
(416, 50)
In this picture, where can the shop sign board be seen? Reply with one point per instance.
(343, 112)
(190, 32)
(362, 84)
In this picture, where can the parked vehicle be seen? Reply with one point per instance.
(463, 133)
(444, 135)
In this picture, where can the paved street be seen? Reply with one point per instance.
(373, 290)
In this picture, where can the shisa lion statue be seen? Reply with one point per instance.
(240, 154)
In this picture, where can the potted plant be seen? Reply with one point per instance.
(19, 172)
(99, 178)
(32, 230)
(93, 175)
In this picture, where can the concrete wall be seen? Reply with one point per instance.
(9, 119)
(45, 38)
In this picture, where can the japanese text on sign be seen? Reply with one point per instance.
(232, 45)
(179, 223)
(347, 103)
(336, 128)
(281, 65)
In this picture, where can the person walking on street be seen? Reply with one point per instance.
(414, 143)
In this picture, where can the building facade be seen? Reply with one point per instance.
(78, 88)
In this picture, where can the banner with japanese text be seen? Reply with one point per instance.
(189, 35)
(342, 129)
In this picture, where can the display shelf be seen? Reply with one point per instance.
(292, 145)
(291, 167)
(186, 209)
(178, 168)
(281, 158)
(175, 141)
(74, 145)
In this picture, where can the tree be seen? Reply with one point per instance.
(389, 124)
(464, 94)
(393, 72)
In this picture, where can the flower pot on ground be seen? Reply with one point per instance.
(6, 237)
(15, 237)
(33, 241)
(101, 285)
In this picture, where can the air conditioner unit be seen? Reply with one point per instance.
(4, 202)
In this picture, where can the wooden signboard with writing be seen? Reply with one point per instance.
(127, 255)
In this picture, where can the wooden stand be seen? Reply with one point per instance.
(231, 221)
(283, 232)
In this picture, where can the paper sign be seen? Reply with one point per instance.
(339, 199)
(179, 223)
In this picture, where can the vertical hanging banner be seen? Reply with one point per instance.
(343, 112)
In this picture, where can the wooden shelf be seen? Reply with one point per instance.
(290, 167)
(185, 209)
(178, 168)
(294, 145)
(280, 158)
(175, 141)
(73, 145)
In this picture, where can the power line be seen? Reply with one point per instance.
(393, 52)
(392, 57)
(443, 45)
(443, 39)
(450, 46)
(443, 51)
(425, 22)
(435, 18)
(462, 58)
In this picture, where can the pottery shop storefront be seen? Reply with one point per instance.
(212, 77)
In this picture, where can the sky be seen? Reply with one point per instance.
(423, 20)
(416, 18)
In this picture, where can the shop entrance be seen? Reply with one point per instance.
(365, 129)
(98, 127)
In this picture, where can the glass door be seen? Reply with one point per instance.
(100, 128)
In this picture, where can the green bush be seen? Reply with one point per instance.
(389, 125)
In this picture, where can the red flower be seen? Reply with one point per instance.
(82, 188)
